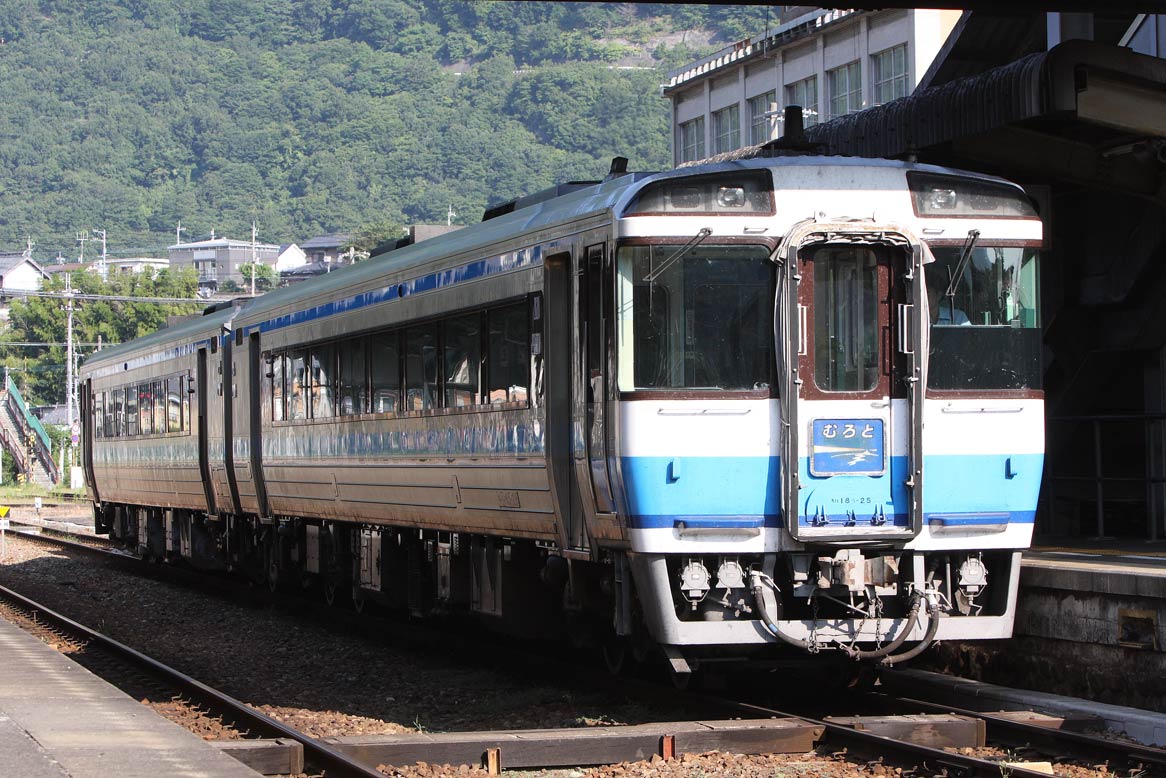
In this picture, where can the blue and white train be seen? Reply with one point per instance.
(732, 410)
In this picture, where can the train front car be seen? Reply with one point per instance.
(830, 425)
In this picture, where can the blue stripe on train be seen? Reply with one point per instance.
(726, 491)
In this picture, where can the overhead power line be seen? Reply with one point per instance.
(105, 297)
(48, 344)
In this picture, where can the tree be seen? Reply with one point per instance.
(44, 320)
(265, 276)
(372, 236)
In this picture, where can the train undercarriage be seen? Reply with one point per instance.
(699, 609)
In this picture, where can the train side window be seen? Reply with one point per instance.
(508, 365)
(185, 387)
(385, 371)
(463, 360)
(297, 393)
(131, 410)
(353, 378)
(145, 410)
(173, 405)
(277, 388)
(118, 412)
(323, 380)
(159, 394)
(421, 389)
(99, 414)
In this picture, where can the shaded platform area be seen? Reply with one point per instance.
(57, 719)
(1090, 623)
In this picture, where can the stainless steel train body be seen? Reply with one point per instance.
(770, 402)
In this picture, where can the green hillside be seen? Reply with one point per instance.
(321, 115)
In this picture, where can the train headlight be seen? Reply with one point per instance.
(942, 199)
(731, 197)
(694, 580)
(943, 195)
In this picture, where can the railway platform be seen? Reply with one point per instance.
(58, 720)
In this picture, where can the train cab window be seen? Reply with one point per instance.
(697, 320)
(173, 405)
(131, 410)
(145, 410)
(421, 389)
(463, 360)
(846, 326)
(297, 391)
(353, 384)
(158, 389)
(117, 397)
(384, 359)
(984, 304)
(508, 362)
(323, 361)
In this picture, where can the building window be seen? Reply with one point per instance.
(890, 74)
(805, 94)
(845, 85)
(726, 129)
(760, 119)
(692, 140)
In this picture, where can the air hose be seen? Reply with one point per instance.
(886, 653)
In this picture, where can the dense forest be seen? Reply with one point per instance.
(320, 116)
(307, 117)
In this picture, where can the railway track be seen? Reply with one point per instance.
(1121, 756)
(320, 756)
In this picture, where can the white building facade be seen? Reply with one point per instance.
(830, 62)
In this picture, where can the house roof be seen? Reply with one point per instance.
(8, 261)
(333, 241)
(222, 243)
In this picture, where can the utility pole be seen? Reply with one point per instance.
(69, 349)
(28, 250)
(254, 230)
(102, 269)
(82, 237)
(178, 232)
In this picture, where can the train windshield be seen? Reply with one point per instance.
(700, 320)
(985, 318)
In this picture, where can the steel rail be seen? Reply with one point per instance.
(321, 755)
(958, 765)
(1082, 742)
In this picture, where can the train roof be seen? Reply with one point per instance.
(576, 202)
(187, 331)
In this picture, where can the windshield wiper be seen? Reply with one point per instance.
(675, 257)
(965, 256)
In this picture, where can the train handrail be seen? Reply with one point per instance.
(30, 419)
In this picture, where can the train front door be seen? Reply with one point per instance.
(592, 390)
(852, 465)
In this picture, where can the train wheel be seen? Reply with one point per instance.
(272, 576)
(615, 654)
(329, 586)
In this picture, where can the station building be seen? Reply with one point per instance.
(830, 62)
